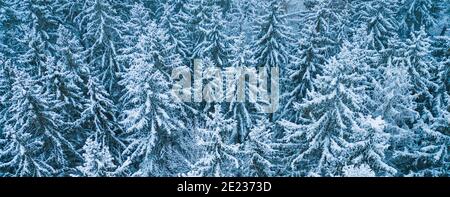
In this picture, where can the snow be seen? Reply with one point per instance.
(358, 171)
(376, 123)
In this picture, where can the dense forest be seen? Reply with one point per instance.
(85, 88)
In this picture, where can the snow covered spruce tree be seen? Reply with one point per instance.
(273, 40)
(66, 78)
(243, 112)
(220, 158)
(39, 26)
(32, 143)
(370, 149)
(10, 23)
(397, 106)
(139, 20)
(98, 161)
(441, 123)
(258, 152)
(6, 83)
(36, 54)
(421, 67)
(417, 13)
(194, 15)
(160, 48)
(441, 105)
(6, 78)
(424, 152)
(313, 48)
(378, 17)
(417, 148)
(101, 31)
(173, 22)
(327, 139)
(152, 117)
(215, 43)
(98, 119)
(243, 15)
